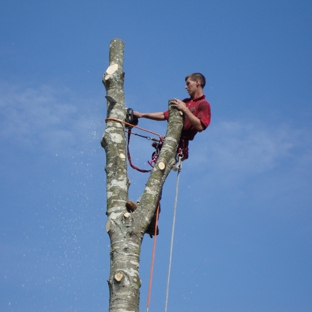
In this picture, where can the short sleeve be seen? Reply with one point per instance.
(166, 114)
(204, 113)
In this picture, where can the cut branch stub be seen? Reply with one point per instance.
(127, 214)
(161, 165)
(107, 226)
(110, 70)
(118, 276)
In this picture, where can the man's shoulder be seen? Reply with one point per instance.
(203, 101)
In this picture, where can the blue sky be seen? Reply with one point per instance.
(243, 233)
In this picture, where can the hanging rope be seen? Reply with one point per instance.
(153, 259)
(179, 167)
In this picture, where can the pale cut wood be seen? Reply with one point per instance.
(107, 226)
(110, 70)
(127, 214)
(161, 165)
(118, 276)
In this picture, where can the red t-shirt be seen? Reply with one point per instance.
(200, 107)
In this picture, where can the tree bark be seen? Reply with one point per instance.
(126, 230)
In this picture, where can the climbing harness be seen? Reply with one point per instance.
(178, 168)
(157, 144)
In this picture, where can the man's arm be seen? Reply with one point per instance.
(181, 106)
(154, 116)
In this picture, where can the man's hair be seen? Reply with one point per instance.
(197, 76)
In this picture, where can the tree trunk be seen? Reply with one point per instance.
(126, 230)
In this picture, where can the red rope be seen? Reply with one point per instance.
(129, 157)
(130, 125)
(155, 155)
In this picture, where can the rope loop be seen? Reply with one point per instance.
(157, 143)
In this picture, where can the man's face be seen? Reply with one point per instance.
(191, 86)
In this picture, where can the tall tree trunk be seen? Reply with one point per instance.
(126, 230)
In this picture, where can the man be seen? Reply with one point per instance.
(197, 116)
(196, 111)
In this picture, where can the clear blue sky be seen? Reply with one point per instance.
(243, 233)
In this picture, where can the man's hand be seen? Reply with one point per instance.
(178, 104)
(181, 106)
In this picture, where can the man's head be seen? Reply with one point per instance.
(195, 84)
(197, 77)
